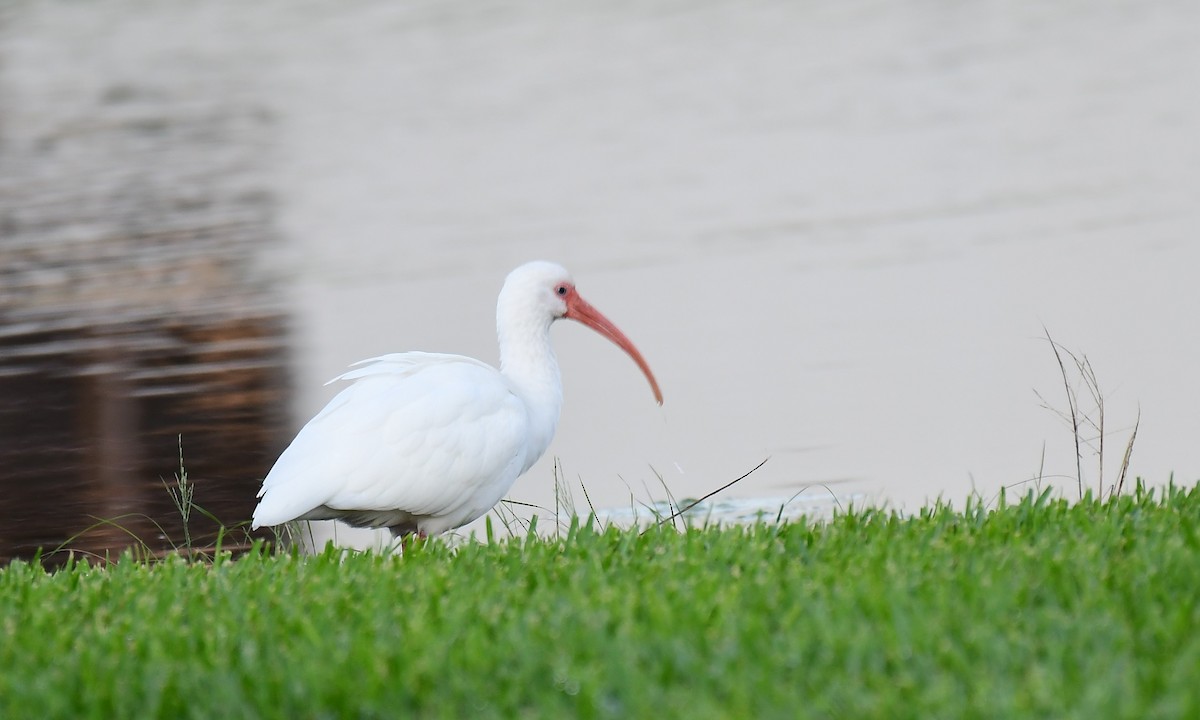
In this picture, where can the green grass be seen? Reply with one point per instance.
(1041, 608)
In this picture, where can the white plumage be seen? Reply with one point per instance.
(427, 442)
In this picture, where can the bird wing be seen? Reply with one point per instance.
(425, 433)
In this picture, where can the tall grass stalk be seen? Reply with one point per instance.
(1082, 418)
(181, 494)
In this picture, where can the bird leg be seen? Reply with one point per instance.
(406, 532)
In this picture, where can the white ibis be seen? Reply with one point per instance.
(428, 442)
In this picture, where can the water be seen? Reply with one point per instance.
(836, 233)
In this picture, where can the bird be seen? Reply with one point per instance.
(423, 443)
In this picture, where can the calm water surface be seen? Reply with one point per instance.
(836, 232)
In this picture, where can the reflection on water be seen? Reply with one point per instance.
(92, 417)
(134, 308)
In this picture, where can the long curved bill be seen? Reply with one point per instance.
(582, 311)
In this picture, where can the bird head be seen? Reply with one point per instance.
(538, 293)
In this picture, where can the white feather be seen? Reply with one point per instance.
(439, 436)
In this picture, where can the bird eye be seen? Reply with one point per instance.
(561, 290)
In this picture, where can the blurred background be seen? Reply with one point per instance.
(838, 231)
